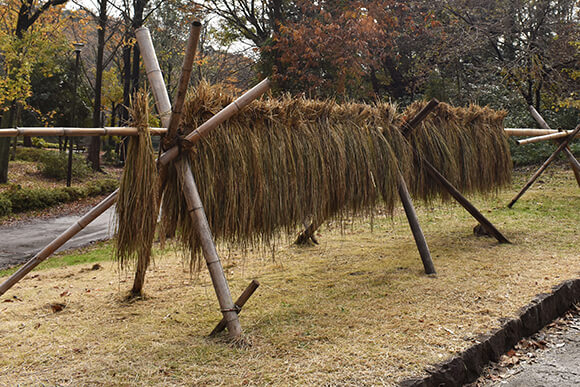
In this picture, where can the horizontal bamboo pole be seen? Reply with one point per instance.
(525, 132)
(58, 242)
(562, 146)
(552, 136)
(70, 132)
(218, 119)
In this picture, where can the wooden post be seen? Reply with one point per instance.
(571, 159)
(420, 240)
(218, 278)
(563, 145)
(308, 233)
(487, 225)
(186, 69)
(239, 304)
(58, 242)
(410, 125)
(412, 217)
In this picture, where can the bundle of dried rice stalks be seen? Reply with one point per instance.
(467, 145)
(279, 162)
(137, 204)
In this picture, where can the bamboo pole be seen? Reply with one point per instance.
(218, 278)
(239, 304)
(193, 201)
(72, 132)
(563, 145)
(545, 137)
(186, 69)
(59, 241)
(524, 132)
(571, 159)
(154, 74)
(219, 118)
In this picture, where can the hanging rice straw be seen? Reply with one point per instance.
(137, 207)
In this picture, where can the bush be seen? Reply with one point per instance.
(18, 199)
(55, 165)
(101, 187)
(38, 142)
(75, 193)
(26, 199)
(30, 154)
(5, 206)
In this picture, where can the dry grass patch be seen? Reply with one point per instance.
(355, 310)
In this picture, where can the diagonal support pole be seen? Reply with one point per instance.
(571, 159)
(59, 241)
(562, 146)
(216, 271)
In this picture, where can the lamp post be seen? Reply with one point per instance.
(78, 47)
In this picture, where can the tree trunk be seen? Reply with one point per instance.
(95, 144)
(5, 147)
(138, 10)
(4, 157)
(398, 84)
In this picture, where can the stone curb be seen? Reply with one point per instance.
(467, 366)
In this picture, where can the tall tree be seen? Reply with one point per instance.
(524, 42)
(22, 48)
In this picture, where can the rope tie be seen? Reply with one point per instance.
(236, 309)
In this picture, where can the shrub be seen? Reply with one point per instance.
(38, 142)
(75, 193)
(26, 199)
(5, 206)
(101, 187)
(30, 154)
(55, 165)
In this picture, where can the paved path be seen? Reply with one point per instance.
(20, 242)
(555, 362)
